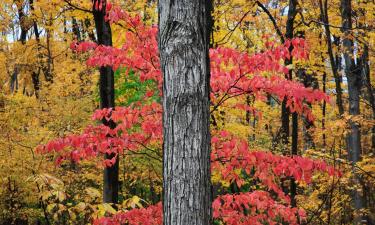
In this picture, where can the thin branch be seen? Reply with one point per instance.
(77, 7)
(278, 31)
(231, 31)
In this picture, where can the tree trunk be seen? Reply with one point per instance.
(285, 114)
(107, 100)
(289, 34)
(22, 39)
(354, 88)
(76, 30)
(35, 74)
(309, 81)
(365, 69)
(184, 28)
(324, 108)
(334, 62)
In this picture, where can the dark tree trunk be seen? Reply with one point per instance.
(365, 68)
(22, 39)
(184, 29)
(87, 31)
(107, 100)
(289, 34)
(309, 81)
(22, 18)
(354, 88)
(35, 74)
(76, 30)
(285, 114)
(324, 108)
(293, 185)
(48, 68)
(333, 61)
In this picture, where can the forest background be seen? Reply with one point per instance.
(49, 90)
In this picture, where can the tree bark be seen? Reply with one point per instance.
(354, 88)
(107, 100)
(184, 29)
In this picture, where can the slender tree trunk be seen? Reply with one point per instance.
(365, 68)
(354, 87)
(48, 68)
(35, 74)
(22, 20)
(324, 111)
(309, 81)
(333, 61)
(289, 34)
(76, 30)
(285, 114)
(107, 100)
(22, 39)
(184, 29)
(293, 185)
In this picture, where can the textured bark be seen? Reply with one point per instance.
(184, 29)
(354, 88)
(107, 100)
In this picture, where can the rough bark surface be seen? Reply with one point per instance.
(107, 100)
(183, 44)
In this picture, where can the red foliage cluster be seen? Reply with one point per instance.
(230, 155)
(257, 207)
(146, 216)
(136, 128)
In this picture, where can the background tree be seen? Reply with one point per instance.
(107, 98)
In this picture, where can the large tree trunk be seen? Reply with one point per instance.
(107, 100)
(184, 28)
(354, 88)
